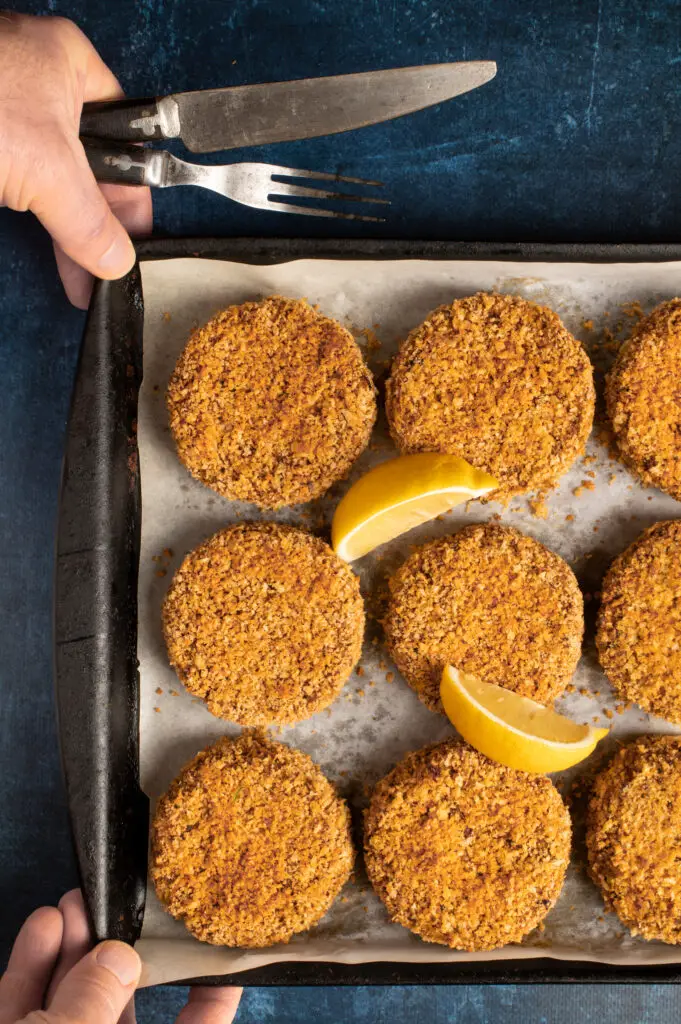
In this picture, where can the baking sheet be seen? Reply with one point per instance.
(378, 718)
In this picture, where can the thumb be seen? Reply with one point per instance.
(69, 203)
(97, 989)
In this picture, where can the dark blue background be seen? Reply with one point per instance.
(577, 139)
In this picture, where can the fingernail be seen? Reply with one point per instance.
(119, 257)
(121, 960)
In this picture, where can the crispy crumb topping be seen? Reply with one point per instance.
(264, 623)
(639, 624)
(464, 851)
(491, 602)
(643, 395)
(499, 381)
(250, 844)
(271, 402)
(634, 836)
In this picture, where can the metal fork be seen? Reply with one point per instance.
(252, 184)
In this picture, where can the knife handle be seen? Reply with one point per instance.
(131, 120)
(129, 165)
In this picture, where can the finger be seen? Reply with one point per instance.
(132, 207)
(76, 940)
(128, 1015)
(35, 951)
(70, 204)
(210, 1006)
(99, 987)
(100, 83)
(77, 282)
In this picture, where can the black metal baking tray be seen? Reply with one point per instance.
(95, 628)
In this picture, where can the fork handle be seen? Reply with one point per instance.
(125, 165)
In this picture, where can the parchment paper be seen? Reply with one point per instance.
(378, 718)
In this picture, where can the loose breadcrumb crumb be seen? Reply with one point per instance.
(539, 508)
(372, 340)
(633, 310)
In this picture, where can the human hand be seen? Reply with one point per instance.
(54, 977)
(48, 69)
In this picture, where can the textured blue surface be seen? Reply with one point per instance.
(576, 139)
(538, 1004)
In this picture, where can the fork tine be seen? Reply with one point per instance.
(281, 188)
(310, 211)
(293, 172)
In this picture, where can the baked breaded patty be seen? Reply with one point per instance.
(639, 622)
(643, 397)
(634, 836)
(264, 622)
(250, 844)
(271, 402)
(491, 602)
(499, 381)
(464, 851)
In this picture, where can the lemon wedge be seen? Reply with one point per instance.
(400, 494)
(514, 730)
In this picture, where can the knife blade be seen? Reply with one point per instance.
(253, 115)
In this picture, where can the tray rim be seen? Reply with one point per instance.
(113, 301)
(252, 249)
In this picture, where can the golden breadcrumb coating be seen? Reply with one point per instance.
(634, 836)
(250, 844)
(464, 851)
(264, 622)
(491, 602)
(643, 396)
(271, 402)
(499, 381)
(639, 623)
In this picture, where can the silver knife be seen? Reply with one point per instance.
(252, 115)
